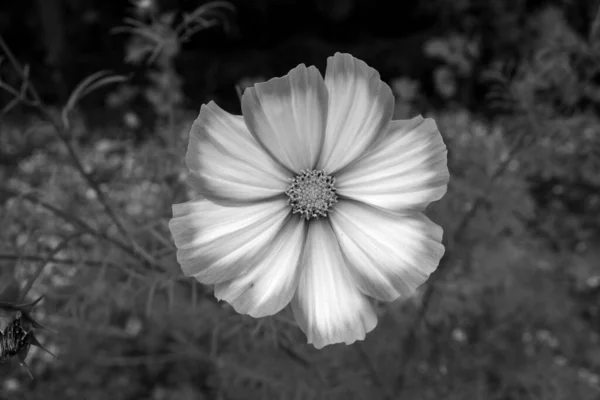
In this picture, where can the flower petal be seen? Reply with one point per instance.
(404, 173)
(269, 286)
(328, 306)
(226, 162)
(360, 109)
(216, 243)
(390, 255)
(287, 116)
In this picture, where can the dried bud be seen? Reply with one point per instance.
(16, 330)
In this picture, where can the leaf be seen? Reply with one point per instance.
(87, 86)
(34, 341)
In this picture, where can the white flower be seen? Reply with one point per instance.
(314, 197)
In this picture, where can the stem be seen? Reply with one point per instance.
(65, 261)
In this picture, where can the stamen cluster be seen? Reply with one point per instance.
(312, 194)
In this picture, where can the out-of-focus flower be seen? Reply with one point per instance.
(132, 120)
(134, 326)
(455, 50)
(561, 361)
(445, 82)
(314, 197)
(144, 7)
(459, 335)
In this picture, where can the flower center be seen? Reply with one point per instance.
(312, 194)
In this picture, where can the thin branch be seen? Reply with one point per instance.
(66, 261)
(9, 89)
(18, 96)
(132, 361)
(12, 59)
(44, 263)
(90, 329)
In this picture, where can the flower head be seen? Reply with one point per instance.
(314, 197)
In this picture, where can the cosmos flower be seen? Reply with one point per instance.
(314, 197)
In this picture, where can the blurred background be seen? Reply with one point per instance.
(97, 99)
